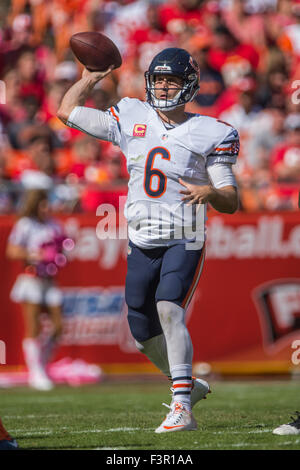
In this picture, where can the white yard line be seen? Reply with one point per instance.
(39, 416)
(32, 433)
(110, 430)
(46, 431)
(260, 431)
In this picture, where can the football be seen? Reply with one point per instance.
(95, 51)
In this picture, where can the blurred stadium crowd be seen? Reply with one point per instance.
(249, 55)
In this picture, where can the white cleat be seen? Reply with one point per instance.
(40, 382)
(199, 391)
(289, 429)
(178, 419)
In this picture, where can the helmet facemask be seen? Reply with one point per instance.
(185, 93)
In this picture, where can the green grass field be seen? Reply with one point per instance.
(237, 415)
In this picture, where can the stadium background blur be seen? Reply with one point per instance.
(248, 53)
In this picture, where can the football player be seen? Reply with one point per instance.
(292, 428)
(175, 160)
(6, 441)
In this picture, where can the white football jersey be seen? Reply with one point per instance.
(156, 158)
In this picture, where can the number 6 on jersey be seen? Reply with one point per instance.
(150, 172)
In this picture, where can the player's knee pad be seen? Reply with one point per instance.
(170, 288)
(142, 327)
(135, 293)
(138, 324)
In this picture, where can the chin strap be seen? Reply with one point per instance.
(166, 105)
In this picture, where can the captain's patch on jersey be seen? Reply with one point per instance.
(139, 130)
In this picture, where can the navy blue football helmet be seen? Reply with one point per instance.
(173, 61)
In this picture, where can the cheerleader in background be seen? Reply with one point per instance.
(38, 240)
